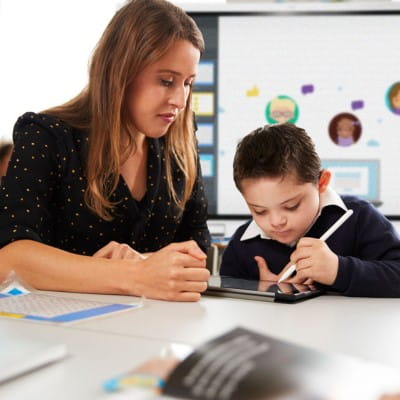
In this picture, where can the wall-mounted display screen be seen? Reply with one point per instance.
(334, 73)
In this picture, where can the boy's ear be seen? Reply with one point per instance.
(324, 180)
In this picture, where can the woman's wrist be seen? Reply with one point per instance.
(128, 276)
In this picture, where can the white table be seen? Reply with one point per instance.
(104, 347)
(93, 357)
(362, 327)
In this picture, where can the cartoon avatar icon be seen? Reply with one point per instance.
(345, 129)
(394, 98)
(282, 109)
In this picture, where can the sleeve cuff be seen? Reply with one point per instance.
(343, 277)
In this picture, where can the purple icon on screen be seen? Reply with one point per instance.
(357, 104)
(305, 89)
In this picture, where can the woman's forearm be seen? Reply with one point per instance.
(48, 268)
(177, 272)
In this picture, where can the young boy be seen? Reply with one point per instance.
(278, 172)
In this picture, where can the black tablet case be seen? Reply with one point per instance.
(225, 286)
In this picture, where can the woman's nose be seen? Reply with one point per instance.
(178, 97)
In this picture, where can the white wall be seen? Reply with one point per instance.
(45, 46)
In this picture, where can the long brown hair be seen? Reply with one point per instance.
(139, 34)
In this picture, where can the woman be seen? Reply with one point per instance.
(5, 155)
(114, 172)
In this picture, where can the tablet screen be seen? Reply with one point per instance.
(227, 286)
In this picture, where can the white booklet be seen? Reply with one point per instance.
(21, 354)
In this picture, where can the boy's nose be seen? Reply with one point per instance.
(277, 220)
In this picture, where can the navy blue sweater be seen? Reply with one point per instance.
(367, 245)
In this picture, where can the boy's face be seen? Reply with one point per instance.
(282, 207)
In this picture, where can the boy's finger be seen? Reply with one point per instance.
(306, 242)
(264, 272)
(289, 264)
(285, 288)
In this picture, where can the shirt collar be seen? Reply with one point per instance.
(328, 198)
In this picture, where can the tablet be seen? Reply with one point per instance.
(226, 286)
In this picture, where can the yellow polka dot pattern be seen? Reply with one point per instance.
(42, 196)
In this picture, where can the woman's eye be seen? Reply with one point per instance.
(166, 82)
(190, 84)
(292, 208)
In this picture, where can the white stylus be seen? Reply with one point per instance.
(325, 236)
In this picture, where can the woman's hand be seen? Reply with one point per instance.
(315, 261)
(176, 272)
(121, 251)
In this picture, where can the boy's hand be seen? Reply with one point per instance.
(264, 271)
(267, 277)
(314, 261)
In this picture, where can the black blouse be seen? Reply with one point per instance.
(42, 196)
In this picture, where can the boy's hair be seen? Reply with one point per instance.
(276, 151)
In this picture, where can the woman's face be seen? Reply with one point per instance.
(160, 91)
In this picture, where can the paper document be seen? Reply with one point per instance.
(52, 308)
